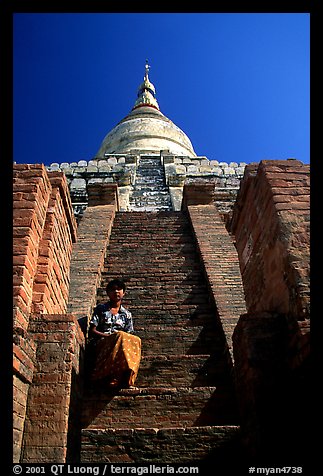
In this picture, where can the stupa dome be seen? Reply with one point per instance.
(146, 129)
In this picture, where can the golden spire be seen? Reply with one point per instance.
(146, 92)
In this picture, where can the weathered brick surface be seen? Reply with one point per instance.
(221, 264)
(51, 285)
(197, 370)
(102, 194)
(169, 445)
(32, 189)
(161, 407)
(198, 194)
(271, 342)
(20, 392)
(271, 227)
(24, 349)
(185, 305)
(49, 414)
(185, 376)
(88, 258)
(43, 231)
(271, 394)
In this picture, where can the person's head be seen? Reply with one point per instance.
(115, 289)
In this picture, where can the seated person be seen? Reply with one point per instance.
(117, 350)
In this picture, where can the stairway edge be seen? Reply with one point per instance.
(188, 429)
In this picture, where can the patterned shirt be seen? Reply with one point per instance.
(108, 323)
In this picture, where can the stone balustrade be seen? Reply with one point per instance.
(196, 167)
(122, 169)
(106, 169)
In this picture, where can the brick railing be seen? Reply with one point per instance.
(90, 250)
(218, 255)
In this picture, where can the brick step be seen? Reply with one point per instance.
(153, 230)
(181, 340)
(178, 280)
(158, 245)
(140, 244)
(162, 217)
(157, 258)
(182, 370)
(144, 189)
(155, 170)
(159, 282)
(177, 310)
(160, 206)
(188, 276)
(153, 227)
(174, 249)
(162, 291)
(150, 201)
(136, 262)
(152, 284)
(151, 215)
(163, 294)
(160, 240)
(158, 407)
(146, 194)
(177, 314)
(128, 267)
(173, 303)
(161, 271)
(165, 286)
(207, 444)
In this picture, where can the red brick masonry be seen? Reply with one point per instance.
(44, 230)
(257, 271)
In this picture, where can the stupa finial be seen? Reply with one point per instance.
(146, 92)
(147, 68)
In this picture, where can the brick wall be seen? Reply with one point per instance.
(271, 227)
(43, 231)
(51, 284)
(31, 194)
(271, 342)
(50, 418)
(52, 276)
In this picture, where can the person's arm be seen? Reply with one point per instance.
(95, 332)
(94, 322)
(129, 323)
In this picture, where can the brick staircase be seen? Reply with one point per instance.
(184, 410)
(150, 192)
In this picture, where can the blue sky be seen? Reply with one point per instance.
(236, 83)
